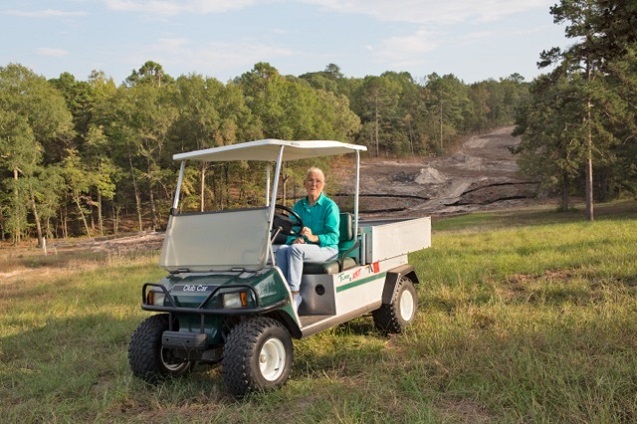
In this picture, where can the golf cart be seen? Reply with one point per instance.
(225, 300)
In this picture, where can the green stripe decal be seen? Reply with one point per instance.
(360, 282)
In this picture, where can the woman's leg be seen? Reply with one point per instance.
(299, 253)
(290, 259)
(282, 259)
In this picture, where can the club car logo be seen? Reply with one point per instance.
(195, 288)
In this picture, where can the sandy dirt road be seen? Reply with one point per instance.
(481, 175)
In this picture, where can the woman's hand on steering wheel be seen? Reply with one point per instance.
(284, 223)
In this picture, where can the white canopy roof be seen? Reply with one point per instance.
(268, 150)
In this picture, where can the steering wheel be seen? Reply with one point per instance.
(286, 221)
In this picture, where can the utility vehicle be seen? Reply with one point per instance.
(225, 301)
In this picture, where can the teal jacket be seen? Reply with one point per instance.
(322, 218)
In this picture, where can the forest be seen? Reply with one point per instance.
(579, 126)
(91, 157)
(82, 157)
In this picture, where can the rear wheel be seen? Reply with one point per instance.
(394, 317)
(146, 357)
(257, 356)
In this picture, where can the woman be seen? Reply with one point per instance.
(317, 240)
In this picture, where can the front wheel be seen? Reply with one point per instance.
(394, 317)
(148, 360)
(257, 356)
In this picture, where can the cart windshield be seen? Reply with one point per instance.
(217, 241)
(235, 239)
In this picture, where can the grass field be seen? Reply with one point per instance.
(525, 316)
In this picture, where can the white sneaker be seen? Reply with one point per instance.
(297, 301)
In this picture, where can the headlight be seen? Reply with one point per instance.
(235, 300)
(155, 298)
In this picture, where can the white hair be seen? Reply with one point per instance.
(315, 170)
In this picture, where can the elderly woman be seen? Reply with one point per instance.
(317, 240)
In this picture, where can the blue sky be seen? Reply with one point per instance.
(473, 39)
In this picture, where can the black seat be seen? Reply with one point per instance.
(346, 246)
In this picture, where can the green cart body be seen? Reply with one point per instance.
(225, 301)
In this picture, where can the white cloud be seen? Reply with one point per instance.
(174, 7)
(432, 12)
(434, 25)
(406, 50)
(471, 37)
(214, 57)
(45, 51)
(48, 13)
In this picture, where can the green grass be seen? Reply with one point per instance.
(524, 317)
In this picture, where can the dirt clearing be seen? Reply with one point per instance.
(481, 175)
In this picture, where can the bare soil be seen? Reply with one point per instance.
(481, 175)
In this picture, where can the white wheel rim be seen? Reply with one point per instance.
(406, 305)
(272, 359)
(170, 366)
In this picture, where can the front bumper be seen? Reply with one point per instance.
(204, 308)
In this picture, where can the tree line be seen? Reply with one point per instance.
(579, 125)
(91, 157)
